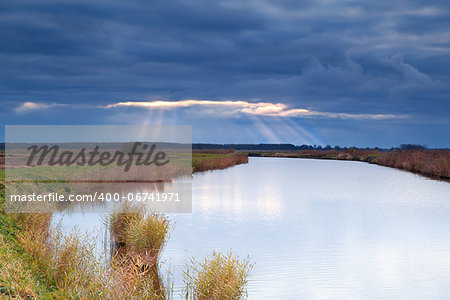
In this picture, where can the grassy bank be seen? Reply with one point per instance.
(17, 281)
(216, 159)
(430, 163)
(39, 262)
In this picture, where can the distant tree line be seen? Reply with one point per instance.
(281, 147)
(412, 147)
(291, 147)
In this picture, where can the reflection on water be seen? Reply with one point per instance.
(318, 229)
(322, 229)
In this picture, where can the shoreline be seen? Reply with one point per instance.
(368, 158)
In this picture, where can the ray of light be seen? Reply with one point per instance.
(268, 134)
(152, 118)
(312, 139)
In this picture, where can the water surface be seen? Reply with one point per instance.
(317, 229)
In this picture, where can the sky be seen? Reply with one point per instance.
(349, 73)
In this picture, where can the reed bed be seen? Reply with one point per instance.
(427, 162)
(137, 233)
(139, 173)
(138, 238)
(219, 276)
(38, 261)
(203, 162)
(350, 154)
(129, 282)
(60, 266)
(69, 267)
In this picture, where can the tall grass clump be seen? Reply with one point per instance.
(139, 234)
(219, 276)
(137, 238)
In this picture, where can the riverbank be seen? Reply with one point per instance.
(38, 262)
(433, 164)
(216, 159)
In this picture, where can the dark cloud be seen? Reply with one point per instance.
(336, 56)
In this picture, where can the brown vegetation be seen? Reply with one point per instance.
(16, 281)
(432, 163)
(58, 266)
(68, 264)
(204, 161)
(219, 276)
(138, 239)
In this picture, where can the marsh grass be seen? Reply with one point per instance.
(427, 162)
(138, 238)
(140, 173)
(58, 266)
(213, 161)
(137, 233)
(65, 263)
(39, 261)
(16, 281)
(130, 281)
(68, 265)
(219, 276)
(431, 163)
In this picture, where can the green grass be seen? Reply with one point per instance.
(16, 280)
(66, 264)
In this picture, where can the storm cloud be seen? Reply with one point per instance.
(338, 57)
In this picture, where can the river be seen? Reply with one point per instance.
(318, 229)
